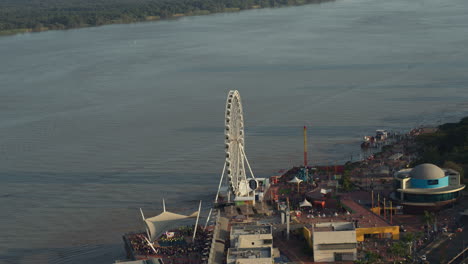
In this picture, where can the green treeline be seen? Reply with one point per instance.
(448, 147)
(38, 15)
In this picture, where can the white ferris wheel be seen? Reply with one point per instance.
(238, 183)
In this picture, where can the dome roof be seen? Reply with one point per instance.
(427, 171)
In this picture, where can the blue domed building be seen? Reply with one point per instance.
(427, 186)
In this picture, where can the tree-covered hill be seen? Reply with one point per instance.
(38, 15)
(448, 147)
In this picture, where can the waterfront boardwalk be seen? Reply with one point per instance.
(321, 200)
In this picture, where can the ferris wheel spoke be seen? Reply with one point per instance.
(248, 164)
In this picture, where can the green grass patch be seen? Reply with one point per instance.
(200, 12)
(231, 9)
(15, 31)
(152, 18)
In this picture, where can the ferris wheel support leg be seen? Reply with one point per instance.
(196, 223)
(208, 218)
(248, 164)
(220, 182)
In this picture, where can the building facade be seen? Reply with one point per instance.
(334, 241)
(250, 256)
(251, 244)
(427, 186)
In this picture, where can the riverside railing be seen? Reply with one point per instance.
(212, 254)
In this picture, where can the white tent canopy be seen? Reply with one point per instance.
(165, 221)
(305, 203)
(295, 180)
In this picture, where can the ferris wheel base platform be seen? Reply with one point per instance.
(238, 201)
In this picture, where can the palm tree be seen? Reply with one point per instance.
(429, 219)
(409, 238)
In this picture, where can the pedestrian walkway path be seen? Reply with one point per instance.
(434, 244)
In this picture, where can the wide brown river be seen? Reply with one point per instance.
(98, 122)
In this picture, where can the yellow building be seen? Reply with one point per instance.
(392, 232)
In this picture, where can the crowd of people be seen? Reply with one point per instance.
(194, 250)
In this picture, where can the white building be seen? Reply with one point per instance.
(250, 255)
(251, 244)
(251, 236)
(334, 242)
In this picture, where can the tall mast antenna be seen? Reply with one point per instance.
(305, 147)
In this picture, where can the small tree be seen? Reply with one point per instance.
(429, 218)
(408, 237)
(372, 257)
(346, 181)
(398, 249)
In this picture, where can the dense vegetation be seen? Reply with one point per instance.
(448, 147)
(38, 15)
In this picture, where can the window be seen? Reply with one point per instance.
(422, 198)
(432, 182)
(338, 256)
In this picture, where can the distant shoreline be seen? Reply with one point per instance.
(42, 26)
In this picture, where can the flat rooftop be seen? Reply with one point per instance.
(249, 253)
(359, 214)
(237, 230)
(333, 226)
(324, 229)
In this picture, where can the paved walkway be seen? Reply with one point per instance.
(292, 249)
(435, 244)
(448, 248)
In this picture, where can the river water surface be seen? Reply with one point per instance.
(98, 122)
